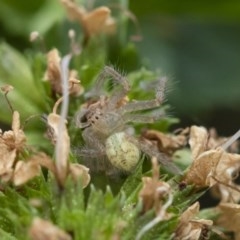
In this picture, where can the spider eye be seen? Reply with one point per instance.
(83, 119)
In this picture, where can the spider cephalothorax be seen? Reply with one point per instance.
(105, 122)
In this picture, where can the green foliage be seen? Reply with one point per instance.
(108, 208)
(15, 70)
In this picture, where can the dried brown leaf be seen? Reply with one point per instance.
(98, 21)
(54, 74)
(93, 22)
(224, 175)
(75, 89)
(153, 190)
(229, 217)
(216, 141)
(228, 166)
(25, 171)
(6, 88)
(45, 161)
(80, 173)
(53, 121)
(33, 36)
(203, 168)
(11, 142)
(45, 230)
(6, 175)
(212, 167)
(15, 138)
(7, 158)
(166, 143)
(226, 192)
(74, 11)
(198, 140)
(189, 227)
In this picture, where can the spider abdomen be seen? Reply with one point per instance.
(121, 152)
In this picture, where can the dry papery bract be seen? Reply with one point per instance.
(54, 75)
(190, 227)
(94, 22)
(6, 88)
(216, 141)
(155, 194)
(12, 142)
(210, 166)
(154, 190)
(53, 121)
(167, 143)
(33, 36)
(229, 218)
(62, 166)
(45, 230)
(20, 171)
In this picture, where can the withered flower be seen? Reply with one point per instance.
(54, 75)
(189, 226)
(155, 194)
(167, 143)
(11, 143)
(79, 172)
(153, 190)
(33, 36)
(62, 168)
(24, 171)
(94, 22)
(53, 122)
(216, 141)
(226, 192)
(209, 166)
(224, 176)
(198, 140)
(45, 230)
(229, 218)
(203, 168)
(6, 88)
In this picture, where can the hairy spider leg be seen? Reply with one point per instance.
(149, 149)
(147, 104)
(118, 78)
(117, 94)
(91, 139)
(141, 118)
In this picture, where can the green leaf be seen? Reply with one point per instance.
(133, 182)
(15, 71)
(6, 236)
(31, 16)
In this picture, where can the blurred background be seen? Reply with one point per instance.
(195, 43)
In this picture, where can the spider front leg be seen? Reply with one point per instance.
(141, 118)
(148, 104)
(118, 94)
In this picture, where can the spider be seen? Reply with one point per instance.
(104, 125)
